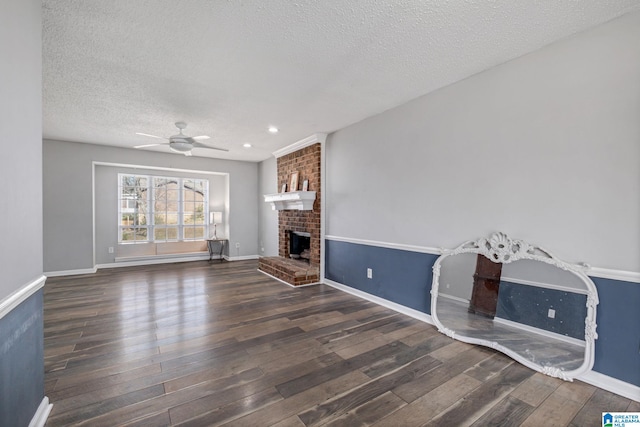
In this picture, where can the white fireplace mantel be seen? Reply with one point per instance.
(293, 200)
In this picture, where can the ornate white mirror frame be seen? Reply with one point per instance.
(500, 248)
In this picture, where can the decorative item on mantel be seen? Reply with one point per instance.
(292, 200)
(293, 186)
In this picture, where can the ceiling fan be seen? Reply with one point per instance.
(180, 143)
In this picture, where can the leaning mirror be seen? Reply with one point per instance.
(519, 299)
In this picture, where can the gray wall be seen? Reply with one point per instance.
(21, 130)
(68, 204)
(21, 329)
(268, 227)
(545, 148)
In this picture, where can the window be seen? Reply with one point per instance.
(161, 209)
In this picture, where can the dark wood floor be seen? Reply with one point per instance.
(219, 343)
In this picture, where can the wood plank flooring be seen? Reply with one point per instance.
(200, 344)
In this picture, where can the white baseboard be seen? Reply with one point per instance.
(241, 258)
(451, 297)
(16, 298)
(137, 261)
(40, 417)
(70, 272)
(150, 261)
(169, 257)
(611, 384)
(381, 301)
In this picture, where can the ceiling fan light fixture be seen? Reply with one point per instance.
(180, 146)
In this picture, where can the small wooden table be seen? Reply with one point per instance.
(210, 246)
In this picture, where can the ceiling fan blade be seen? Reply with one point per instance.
(147, 145)
(151, 136)
(200, 145)
(201, 137)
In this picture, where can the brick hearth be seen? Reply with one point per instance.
(292, 271)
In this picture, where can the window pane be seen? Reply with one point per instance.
(198, 187)
(126, 219)
(129, 192)
(128, 234)
(199, 213)
(140, 219)
(160, 204)
(141, 234)
(198, 232)
(160, 218)
(172, 233)
(188, 213)
(160, 233)
(172, 218)
(128, 181)
(172, 200)
(187, 185)
(193, 233)
(161, 199)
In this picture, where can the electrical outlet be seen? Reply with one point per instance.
(238, 245)
(552, 313)
(369, 273)
(110, 249)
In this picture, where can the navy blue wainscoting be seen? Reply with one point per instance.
(529, 305)
(400, 276)
(618, 318)
(21, 362)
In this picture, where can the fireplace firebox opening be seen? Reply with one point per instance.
(299, 245)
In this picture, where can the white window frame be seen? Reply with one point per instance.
(151, 189)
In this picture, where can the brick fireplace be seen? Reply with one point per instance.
(307, 162)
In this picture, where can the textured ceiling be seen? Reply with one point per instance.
(230, 69)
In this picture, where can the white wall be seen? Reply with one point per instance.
(21, 140)
(268, 227)
(68, 203)
(545, 148)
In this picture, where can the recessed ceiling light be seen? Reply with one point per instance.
(246, 145)
(273, 129)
